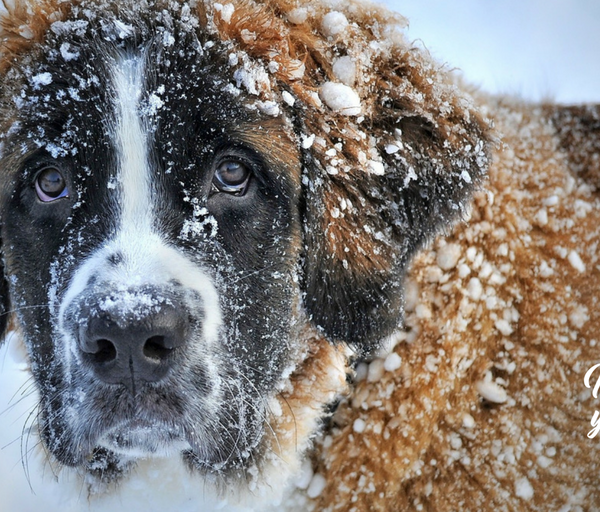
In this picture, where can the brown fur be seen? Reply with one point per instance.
(274, 139)
(319, 379)
(418, 452)
(25, 26)
(578, 128)
(500, 305)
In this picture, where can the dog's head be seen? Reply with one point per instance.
(185, 189)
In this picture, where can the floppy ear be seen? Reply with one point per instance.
(377, 189)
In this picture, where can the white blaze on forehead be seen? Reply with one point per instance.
(145, 258)
(132, 146)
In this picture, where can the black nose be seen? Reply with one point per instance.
(133, 337)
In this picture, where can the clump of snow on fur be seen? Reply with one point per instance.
(316, 486)
(359, 426)
(375, 372)
(124, 30)
(376, 167)
(333, 23)
(67, 53)
(288, 98)
(468, 421)
(226, 11)
(297, 16)
(201, 221)
(523, 489)
(392, 362)
(448, 256)
(251, 75)
(344, 69)
(308, 140)
(579, 316)
(138, 305)
(576, 261)
(475, 288)
(341, 98)
(76, 27)
(491, 391)
(41, 79)
(270, 108)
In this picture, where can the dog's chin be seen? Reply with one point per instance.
(141, 439)
(136, 439)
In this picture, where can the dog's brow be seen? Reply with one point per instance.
(271, 138)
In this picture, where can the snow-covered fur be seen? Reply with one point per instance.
(214, 221)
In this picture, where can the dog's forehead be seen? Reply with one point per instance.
(192, 90)
(74, 97)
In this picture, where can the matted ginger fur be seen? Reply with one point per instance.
(487, 409)
(502, 299)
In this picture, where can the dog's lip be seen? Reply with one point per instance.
(138, 435)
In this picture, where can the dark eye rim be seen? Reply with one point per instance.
(249, 161)
(237, 189)
(42, 196)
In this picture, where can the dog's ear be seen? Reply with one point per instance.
(366, 217)
(390, 160)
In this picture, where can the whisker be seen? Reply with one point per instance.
(263, 416)
(20, 308)
(31, 428)
(237, 440)
(25, 437)
(26, 390)
(282, 396)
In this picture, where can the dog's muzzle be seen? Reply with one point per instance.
(130, 337)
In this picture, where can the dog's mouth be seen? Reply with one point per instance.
(140, 438)
(205, 447)
(213, 433)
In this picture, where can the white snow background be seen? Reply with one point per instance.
(536, 49)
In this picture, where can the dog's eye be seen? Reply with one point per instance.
(232, 176)
(50, 185)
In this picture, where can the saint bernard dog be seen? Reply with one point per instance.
(277, 245)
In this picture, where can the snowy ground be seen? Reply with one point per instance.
(536, 48)
(15, 406)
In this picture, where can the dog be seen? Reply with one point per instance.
(272, 239)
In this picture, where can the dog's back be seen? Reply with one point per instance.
(488, 409)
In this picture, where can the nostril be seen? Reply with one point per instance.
(156, 348)
(138, 336)
(104, 352)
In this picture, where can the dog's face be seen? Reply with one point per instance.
(151, 228)
(166, 232)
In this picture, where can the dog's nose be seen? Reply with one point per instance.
(132, 339)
